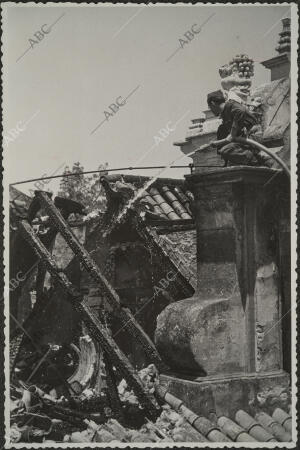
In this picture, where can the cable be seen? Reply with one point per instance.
(103, 171)
(239, 139)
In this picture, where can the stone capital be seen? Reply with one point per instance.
(234, 174)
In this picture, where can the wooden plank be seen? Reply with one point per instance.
(96, 329)
(126, 317)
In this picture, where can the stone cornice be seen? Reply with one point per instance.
(276, 61)
(236, 174)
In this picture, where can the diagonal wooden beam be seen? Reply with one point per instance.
(126, 317)
(96, 329)
(112, 389)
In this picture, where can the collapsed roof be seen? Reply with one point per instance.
(162, 213)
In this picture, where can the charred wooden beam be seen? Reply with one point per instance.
(14, 347)
(96, 329)
(112, 389)
(165, 227)
(126, 317)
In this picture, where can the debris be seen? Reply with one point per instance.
(71, 408)
(26, 399)
(55, 420)
(15, 433)
(92, 215)
(80, 437)
(103, 435)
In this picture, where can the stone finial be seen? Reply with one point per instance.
(284, 43)
(280, 64)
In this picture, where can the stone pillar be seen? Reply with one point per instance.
(199, 136)
(231, 325)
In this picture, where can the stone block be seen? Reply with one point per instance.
(224, 395)
(189, 330)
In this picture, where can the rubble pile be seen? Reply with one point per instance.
(40, 416)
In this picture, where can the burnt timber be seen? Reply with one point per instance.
(95, 327)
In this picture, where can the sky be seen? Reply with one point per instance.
(59, 83)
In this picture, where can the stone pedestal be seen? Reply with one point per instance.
(224, 396)
(231, 325)
(206, 157)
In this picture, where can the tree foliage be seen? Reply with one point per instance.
(85, 189)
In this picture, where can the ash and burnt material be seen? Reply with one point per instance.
(96, 329)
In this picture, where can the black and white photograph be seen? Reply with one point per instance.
(149, 163)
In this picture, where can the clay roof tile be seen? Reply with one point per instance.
(209, 430)
(165, 206)
(173, 200)
(253, 427)
(183, 199)
(283, 418)
(270, 424)
(234, 431)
